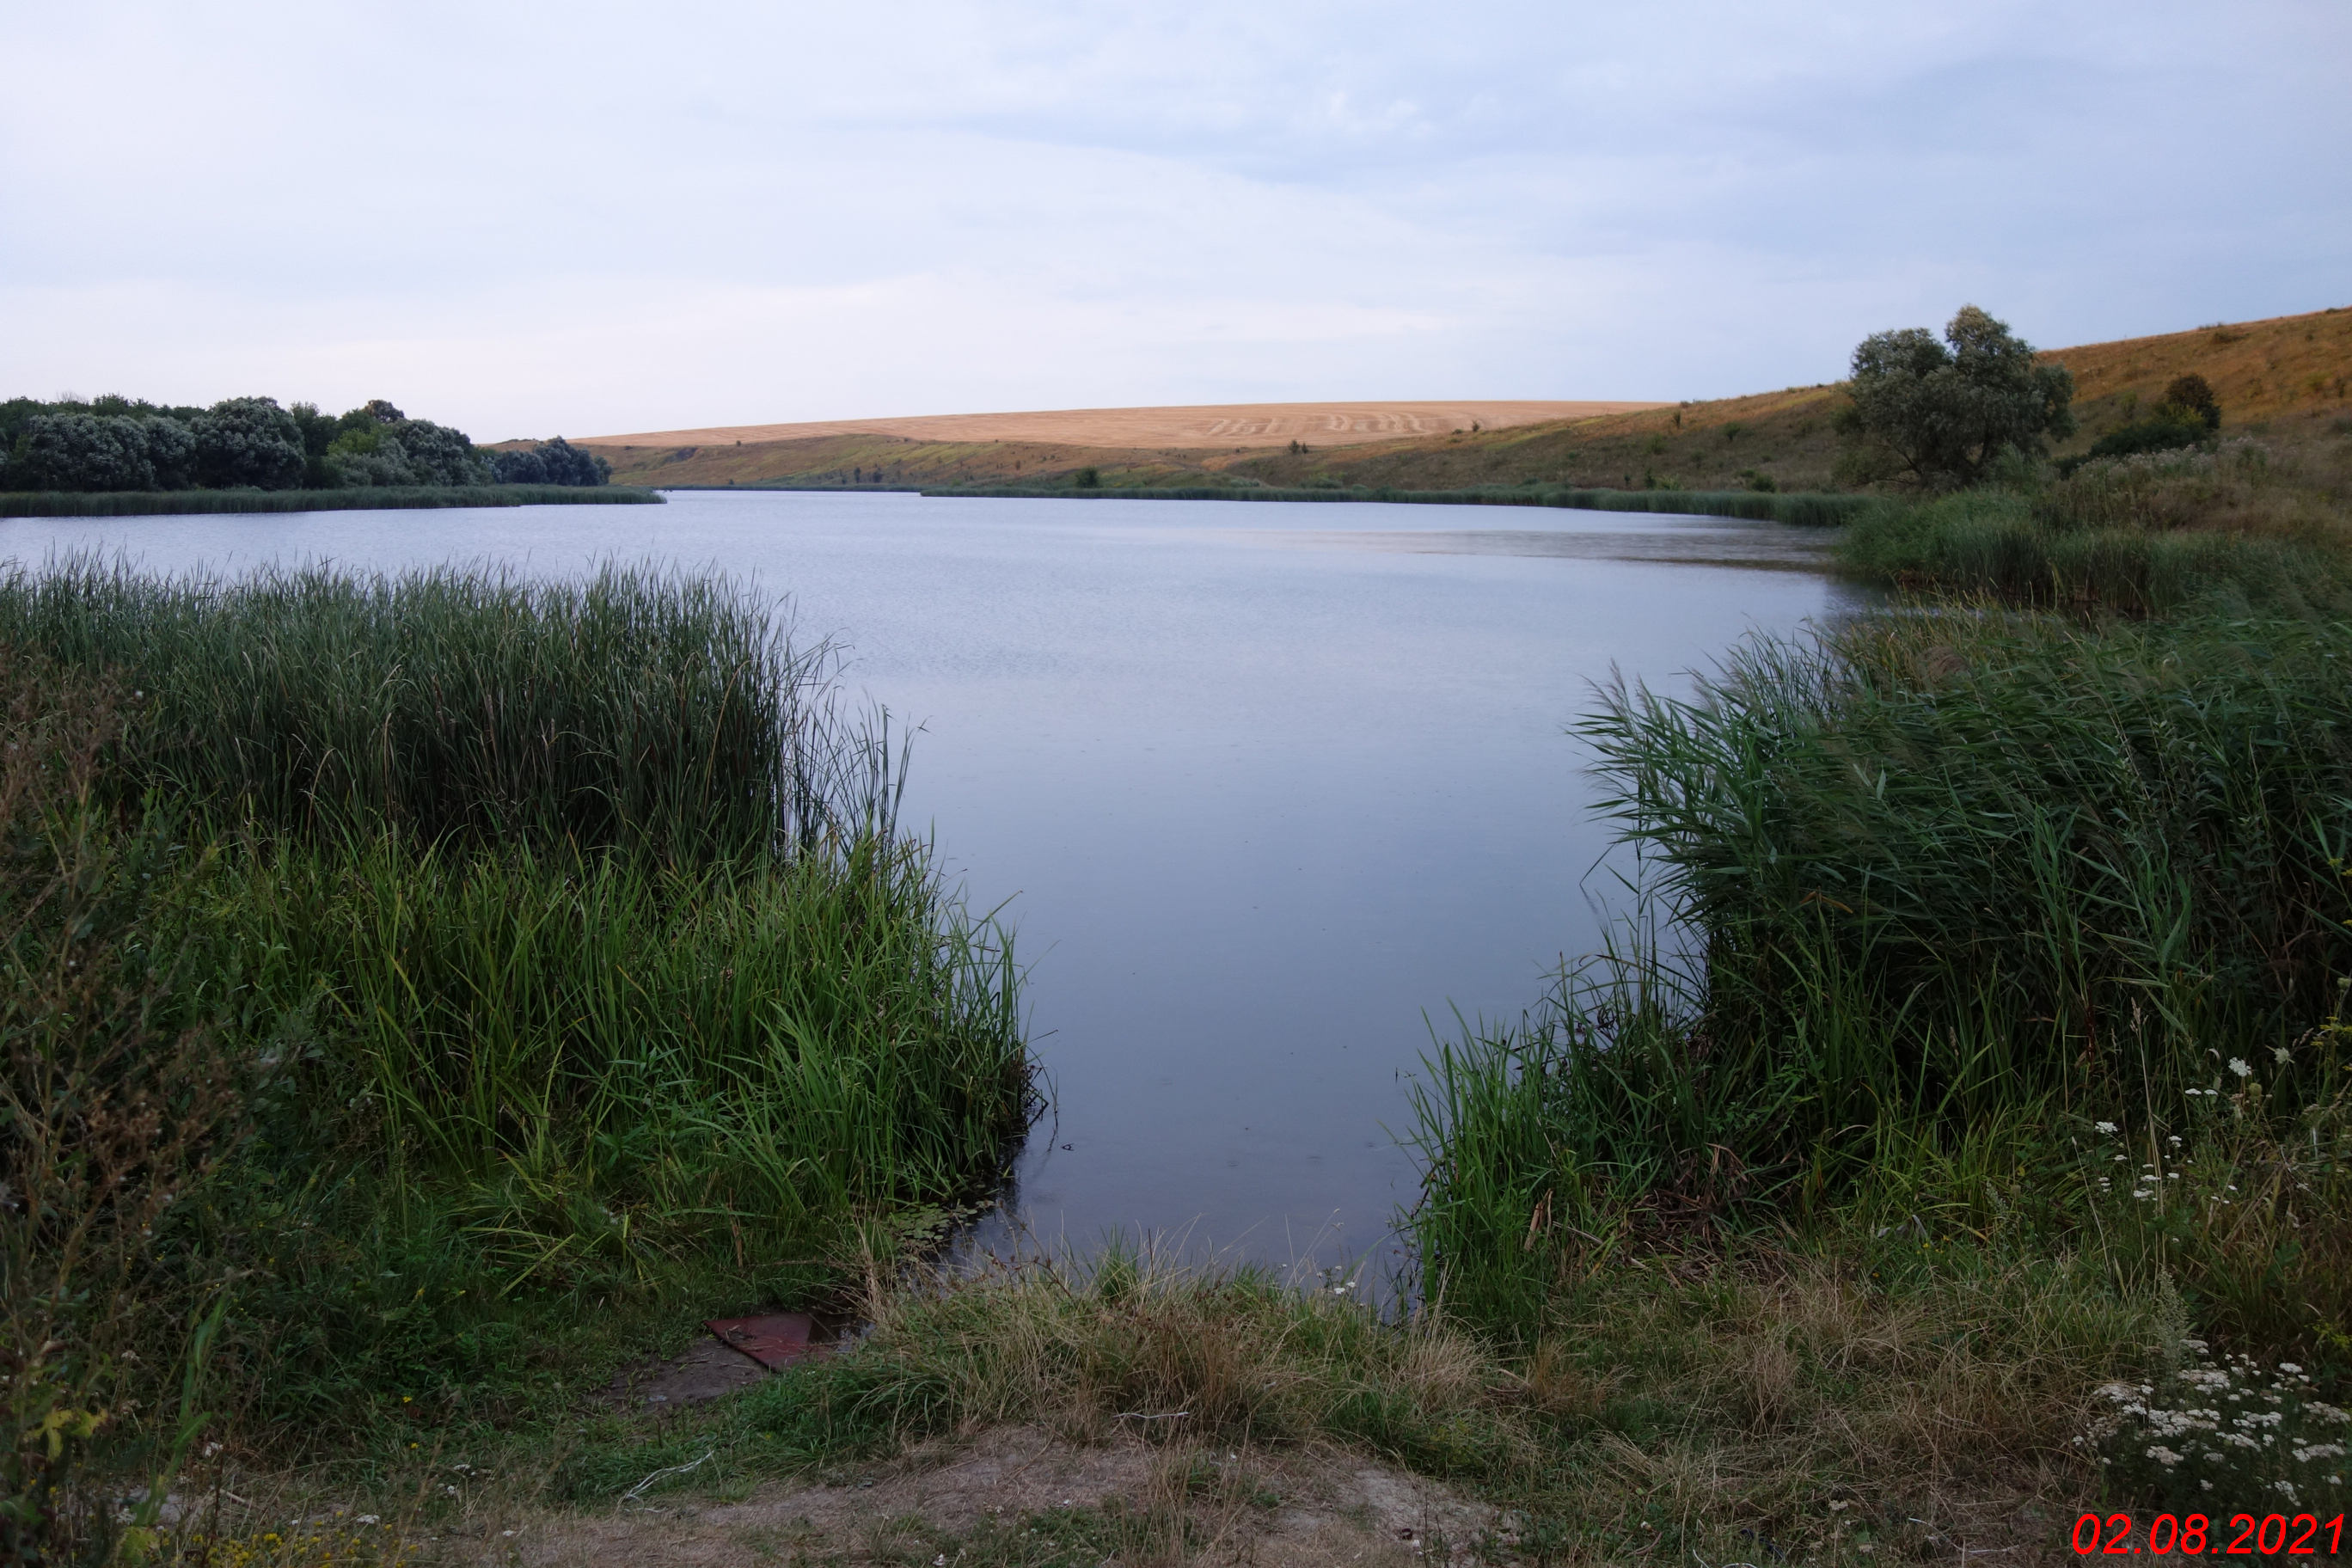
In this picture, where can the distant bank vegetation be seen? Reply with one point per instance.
(121, 444)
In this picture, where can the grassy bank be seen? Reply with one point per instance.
(1809, 510)
(1976, 939)
(384, 497)
(420, 989)
(2231, 527)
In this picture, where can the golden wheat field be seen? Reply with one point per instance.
(1205, 424)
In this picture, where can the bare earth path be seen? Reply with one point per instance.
(1206, 425)
(967, 1501)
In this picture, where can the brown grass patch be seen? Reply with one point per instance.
(1215, 425)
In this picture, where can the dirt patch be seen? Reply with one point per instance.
(1201, 1504)
(705, 1372)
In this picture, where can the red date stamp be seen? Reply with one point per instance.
(2223, 1535)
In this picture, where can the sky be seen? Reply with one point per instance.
(532, 219)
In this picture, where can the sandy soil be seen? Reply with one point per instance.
(1308, 1509)
(1208, 424)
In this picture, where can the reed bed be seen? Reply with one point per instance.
(507, 969)
(668, 714)
(384, 497)
(1809, 510)
(2233, 530)
(1938, 896)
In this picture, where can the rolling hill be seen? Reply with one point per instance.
(2288, 378)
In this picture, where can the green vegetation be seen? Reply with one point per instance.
(1809, 510)
(2234, 527)
(417, 985)
(153, 503)
(425, 992)
(115, 445)
(1940, 416)
(2005, 935)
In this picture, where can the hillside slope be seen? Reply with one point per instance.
(2288, 378)
(1212, 426)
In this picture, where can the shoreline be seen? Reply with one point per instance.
(388, 498)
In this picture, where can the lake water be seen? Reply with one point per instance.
(1265, 789)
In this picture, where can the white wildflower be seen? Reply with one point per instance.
(2105, 1126)
(2238, 1065)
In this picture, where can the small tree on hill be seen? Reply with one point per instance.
(2190, 398)
(1942, 415)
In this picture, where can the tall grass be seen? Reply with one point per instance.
(737, 1044)
(664, 713)
(156, 503)
(2159, 534)
(558, 946)
(1939, 892)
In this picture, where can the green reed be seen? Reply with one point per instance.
(156, 503)
(761, 1042)
(559, 941)
(1933, 890)
(634, 709)
(2061, 549)
(1806, 509)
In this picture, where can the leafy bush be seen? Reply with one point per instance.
(555, 462)
(100, 452)
(2190, 398)
(248, 441)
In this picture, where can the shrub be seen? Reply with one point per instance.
(555, 462)
(2190, 398)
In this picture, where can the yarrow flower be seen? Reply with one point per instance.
(2238, 1065)
(2105, 1126)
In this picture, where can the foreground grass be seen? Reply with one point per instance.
(1759, 1399)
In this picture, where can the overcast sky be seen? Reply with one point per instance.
(590, 218)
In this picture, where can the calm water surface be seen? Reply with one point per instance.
(1265, 789)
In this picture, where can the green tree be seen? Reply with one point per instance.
(244, 441)
(1940, 415)
(83, 452)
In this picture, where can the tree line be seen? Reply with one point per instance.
(115, 443)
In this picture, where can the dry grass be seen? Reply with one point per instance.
(1817, 1408)
(2288, 379)
(1221, 424)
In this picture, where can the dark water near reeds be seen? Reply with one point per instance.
(1265, 788)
